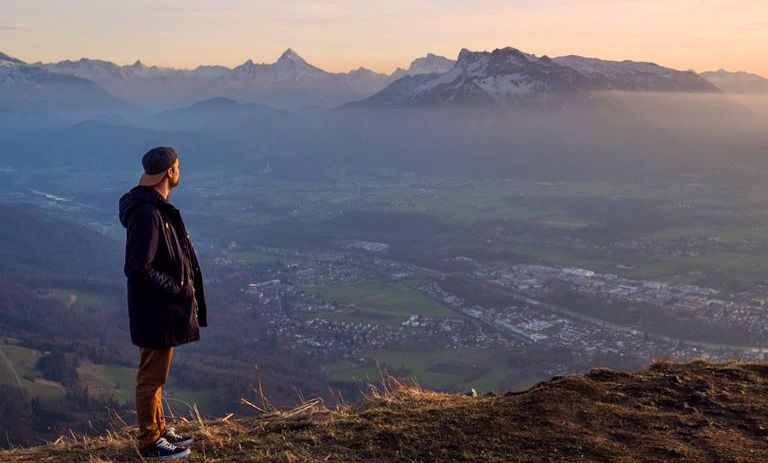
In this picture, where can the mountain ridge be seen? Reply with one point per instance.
(502, 77)
(635, 75)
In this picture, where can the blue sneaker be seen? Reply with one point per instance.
(162, 449)
(175, 439)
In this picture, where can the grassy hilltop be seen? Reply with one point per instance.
(687, 412)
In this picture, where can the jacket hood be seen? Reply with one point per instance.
(137, 197)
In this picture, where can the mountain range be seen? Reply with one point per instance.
(502, 76)
(737, 82)
(508, 76)
(31, 88)
(290, 82)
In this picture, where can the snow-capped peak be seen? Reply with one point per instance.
(499, 55)
(502, 77)
(292, 56)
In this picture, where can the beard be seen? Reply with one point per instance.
(172, 183)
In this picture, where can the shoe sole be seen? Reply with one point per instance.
(185, 443)
(183, 454)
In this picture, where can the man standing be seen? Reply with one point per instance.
(166, 303)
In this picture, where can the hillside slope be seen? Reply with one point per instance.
(686, 412)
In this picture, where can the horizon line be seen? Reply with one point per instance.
(292, 49)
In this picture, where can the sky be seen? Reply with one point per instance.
(340, 35)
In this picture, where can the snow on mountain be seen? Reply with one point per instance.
(366, 82)
(635, 76)
(27, 87)
(293, 82)
(288, 66)
(289, 82)
(426, 65)
(91, 69)
(503, 77)
(737, 82)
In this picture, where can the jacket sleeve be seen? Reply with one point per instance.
(141, 246)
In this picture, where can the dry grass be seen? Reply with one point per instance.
(686, 412)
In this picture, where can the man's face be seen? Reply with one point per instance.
(174, 174)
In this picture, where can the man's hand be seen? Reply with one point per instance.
(186, 290)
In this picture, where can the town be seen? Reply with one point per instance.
(332, 330)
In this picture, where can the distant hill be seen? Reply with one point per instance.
(737, 82)
(38, 244)
(689, 412)
(222, 115)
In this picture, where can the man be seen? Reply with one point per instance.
(166, 303)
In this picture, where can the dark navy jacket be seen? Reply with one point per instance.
(166, 300)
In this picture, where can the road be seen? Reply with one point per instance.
(12, 370)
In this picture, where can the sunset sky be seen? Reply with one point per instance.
(339, 35)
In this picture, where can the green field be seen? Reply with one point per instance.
(24, 361)
(378, 302)
(108, 381)
(391, 303)
(78, 299)
(249, 256)
(119, 382)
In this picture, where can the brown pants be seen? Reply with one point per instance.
(154, 365)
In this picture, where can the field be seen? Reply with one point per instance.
(119, 382)
(83, 300)
(379, 302)
(24, 361)
(539, 215)
(102, 380)
(251, 256)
